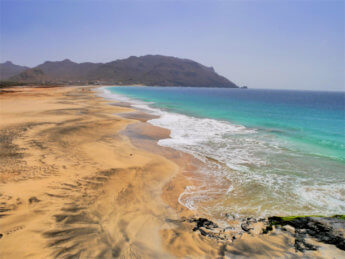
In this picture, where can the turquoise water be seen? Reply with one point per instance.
(279, 152)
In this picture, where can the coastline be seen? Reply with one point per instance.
(246, 231)
(79, 179)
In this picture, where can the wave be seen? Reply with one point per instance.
(252, 170)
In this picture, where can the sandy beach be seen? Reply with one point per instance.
(72, 185)
(83, 177)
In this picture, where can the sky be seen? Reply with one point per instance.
(273, 44)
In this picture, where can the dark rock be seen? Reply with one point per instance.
(206, 227)
(301, 245)
(202, 232)
(245, 227)
(269, 228)
(320, 228)
(33, 200)
(203, 222)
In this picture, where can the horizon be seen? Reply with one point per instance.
(287, 45)
(252, 88)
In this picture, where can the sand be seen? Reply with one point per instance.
(72, 185)
(77, 179)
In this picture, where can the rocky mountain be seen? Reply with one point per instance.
(152, 70)
(8, 69)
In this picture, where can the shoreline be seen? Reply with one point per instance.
(147, 129)
(78, 179)
(269, 169)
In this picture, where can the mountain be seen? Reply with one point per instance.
(57, 71)
(154, 70)
(8, 69)
(66, 70)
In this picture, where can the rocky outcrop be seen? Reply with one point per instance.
(300, 229)
(328, 230)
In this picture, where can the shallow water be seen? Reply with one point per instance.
(267, 152)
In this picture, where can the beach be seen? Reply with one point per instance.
(70, 183)
(81, 176)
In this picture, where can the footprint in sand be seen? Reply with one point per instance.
(15, 229)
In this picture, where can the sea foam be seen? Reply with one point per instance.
(253, 172)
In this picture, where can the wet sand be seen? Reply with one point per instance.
(77, 179)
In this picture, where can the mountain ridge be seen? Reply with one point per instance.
(155, 70)
(8, 69)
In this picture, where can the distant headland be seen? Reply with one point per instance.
(153, 70)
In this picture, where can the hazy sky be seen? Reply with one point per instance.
(262, 44)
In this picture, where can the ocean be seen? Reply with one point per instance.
(266, 152)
